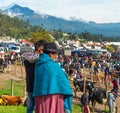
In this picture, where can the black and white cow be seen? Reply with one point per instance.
(97, 95)
(79, 85)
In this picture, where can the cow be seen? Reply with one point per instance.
(97, 95)
(79, 85)
(99, 77)
(11, 100)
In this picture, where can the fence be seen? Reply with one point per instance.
(13, 87)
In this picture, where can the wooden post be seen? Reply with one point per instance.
(92, 74)
(12, 86)
(15, 68)
(68, 69)
(84, 84)
(25, 93)
(21, 69)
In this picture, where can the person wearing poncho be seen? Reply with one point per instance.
(52, 90)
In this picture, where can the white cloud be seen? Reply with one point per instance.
(94, 10)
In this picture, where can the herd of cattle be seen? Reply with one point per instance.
(96, 94)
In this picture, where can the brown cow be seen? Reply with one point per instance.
(99, 77)
(11, 100)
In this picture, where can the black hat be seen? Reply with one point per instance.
(39, 43)
(51, 47)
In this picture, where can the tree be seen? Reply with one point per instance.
(110, 48)
(57, 34)
(43, 35)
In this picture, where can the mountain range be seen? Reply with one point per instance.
(51, 22)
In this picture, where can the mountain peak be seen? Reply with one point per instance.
(77, 19)
(18, 10)
(16, 6)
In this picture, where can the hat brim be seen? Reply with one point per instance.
(52, 50)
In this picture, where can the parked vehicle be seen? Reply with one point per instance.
(24, 49)
(15, 49)
(2, 50)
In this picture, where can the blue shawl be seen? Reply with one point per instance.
(51, 79)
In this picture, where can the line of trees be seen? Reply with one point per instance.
(84, 36)
(18, 28)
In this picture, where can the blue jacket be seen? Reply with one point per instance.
(111, 99)
(51, 79)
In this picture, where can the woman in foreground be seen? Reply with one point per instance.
(52, 89)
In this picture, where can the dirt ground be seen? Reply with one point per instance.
(98, 107)
(18, 73)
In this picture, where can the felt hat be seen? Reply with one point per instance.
(51, 47)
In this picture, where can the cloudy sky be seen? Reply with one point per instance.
(99, 11)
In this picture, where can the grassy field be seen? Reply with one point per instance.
(12, 109)
(18, 89)
(21, 109)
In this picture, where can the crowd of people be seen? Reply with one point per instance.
(107, 66)
(7, 59)
(47, 73)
